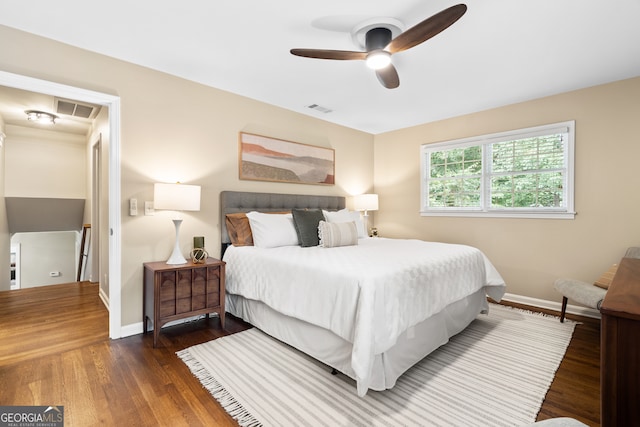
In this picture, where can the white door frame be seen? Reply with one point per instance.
(113, 103)
(16, 250)
(96, 197)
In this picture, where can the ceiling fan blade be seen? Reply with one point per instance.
(329, 54)
(388, 76)
(426, 29)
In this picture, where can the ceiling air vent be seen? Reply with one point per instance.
(76, 109)
(319, 108)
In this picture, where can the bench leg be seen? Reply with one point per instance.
(564, 308)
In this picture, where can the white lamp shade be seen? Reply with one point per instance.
(366, 202)
(176, 197)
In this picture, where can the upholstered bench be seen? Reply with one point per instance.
(582, 292)
(589, 294)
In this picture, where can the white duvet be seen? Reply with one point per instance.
(367, 294)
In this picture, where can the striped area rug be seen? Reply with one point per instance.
(494, 373)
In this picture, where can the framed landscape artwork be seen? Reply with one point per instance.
(269, 159)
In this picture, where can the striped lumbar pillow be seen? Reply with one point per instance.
(334, 234)
(607, 277)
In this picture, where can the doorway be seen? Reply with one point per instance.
(113, 234)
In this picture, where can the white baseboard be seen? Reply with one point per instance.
(132, 329)
(552, 305)
(104, 297)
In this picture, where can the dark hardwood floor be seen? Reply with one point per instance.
(55, 350)
(575, 391)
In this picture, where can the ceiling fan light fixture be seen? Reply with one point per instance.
(41, 117)
(380, 43)
(378, 59)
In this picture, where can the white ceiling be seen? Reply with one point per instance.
(500, 52)
(14, 102)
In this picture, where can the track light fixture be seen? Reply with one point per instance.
(41, 117)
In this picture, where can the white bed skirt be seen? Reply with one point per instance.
(411, 347)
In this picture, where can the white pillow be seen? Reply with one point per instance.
(345, 215)
(333, 234)
(272, 230)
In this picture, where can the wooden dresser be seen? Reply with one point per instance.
(620, 348)
(173, 292)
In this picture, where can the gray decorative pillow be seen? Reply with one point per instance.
(333, 234)
(306, 222)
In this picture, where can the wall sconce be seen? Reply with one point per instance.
(176, 197)
(41, 117)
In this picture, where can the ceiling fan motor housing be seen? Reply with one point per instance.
(377, 38)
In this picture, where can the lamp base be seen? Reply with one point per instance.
(176, 256)
(366, 223)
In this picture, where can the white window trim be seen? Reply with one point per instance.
(541, 213)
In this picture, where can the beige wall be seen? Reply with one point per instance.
(173, 129)
(532, 253)
(44, 163)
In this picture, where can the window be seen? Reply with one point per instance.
(523, 173)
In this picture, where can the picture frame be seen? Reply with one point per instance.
(262, 158)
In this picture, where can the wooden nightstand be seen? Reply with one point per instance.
(173, 292)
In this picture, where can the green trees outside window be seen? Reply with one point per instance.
(529, 170)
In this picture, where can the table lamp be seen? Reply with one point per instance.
(176, 197)
(366, 203)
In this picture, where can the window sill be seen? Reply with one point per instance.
(501, 214)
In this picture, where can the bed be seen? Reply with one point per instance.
(370, 310)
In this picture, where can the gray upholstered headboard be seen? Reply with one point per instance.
(240, 201)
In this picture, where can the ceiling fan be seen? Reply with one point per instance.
(380, 46)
